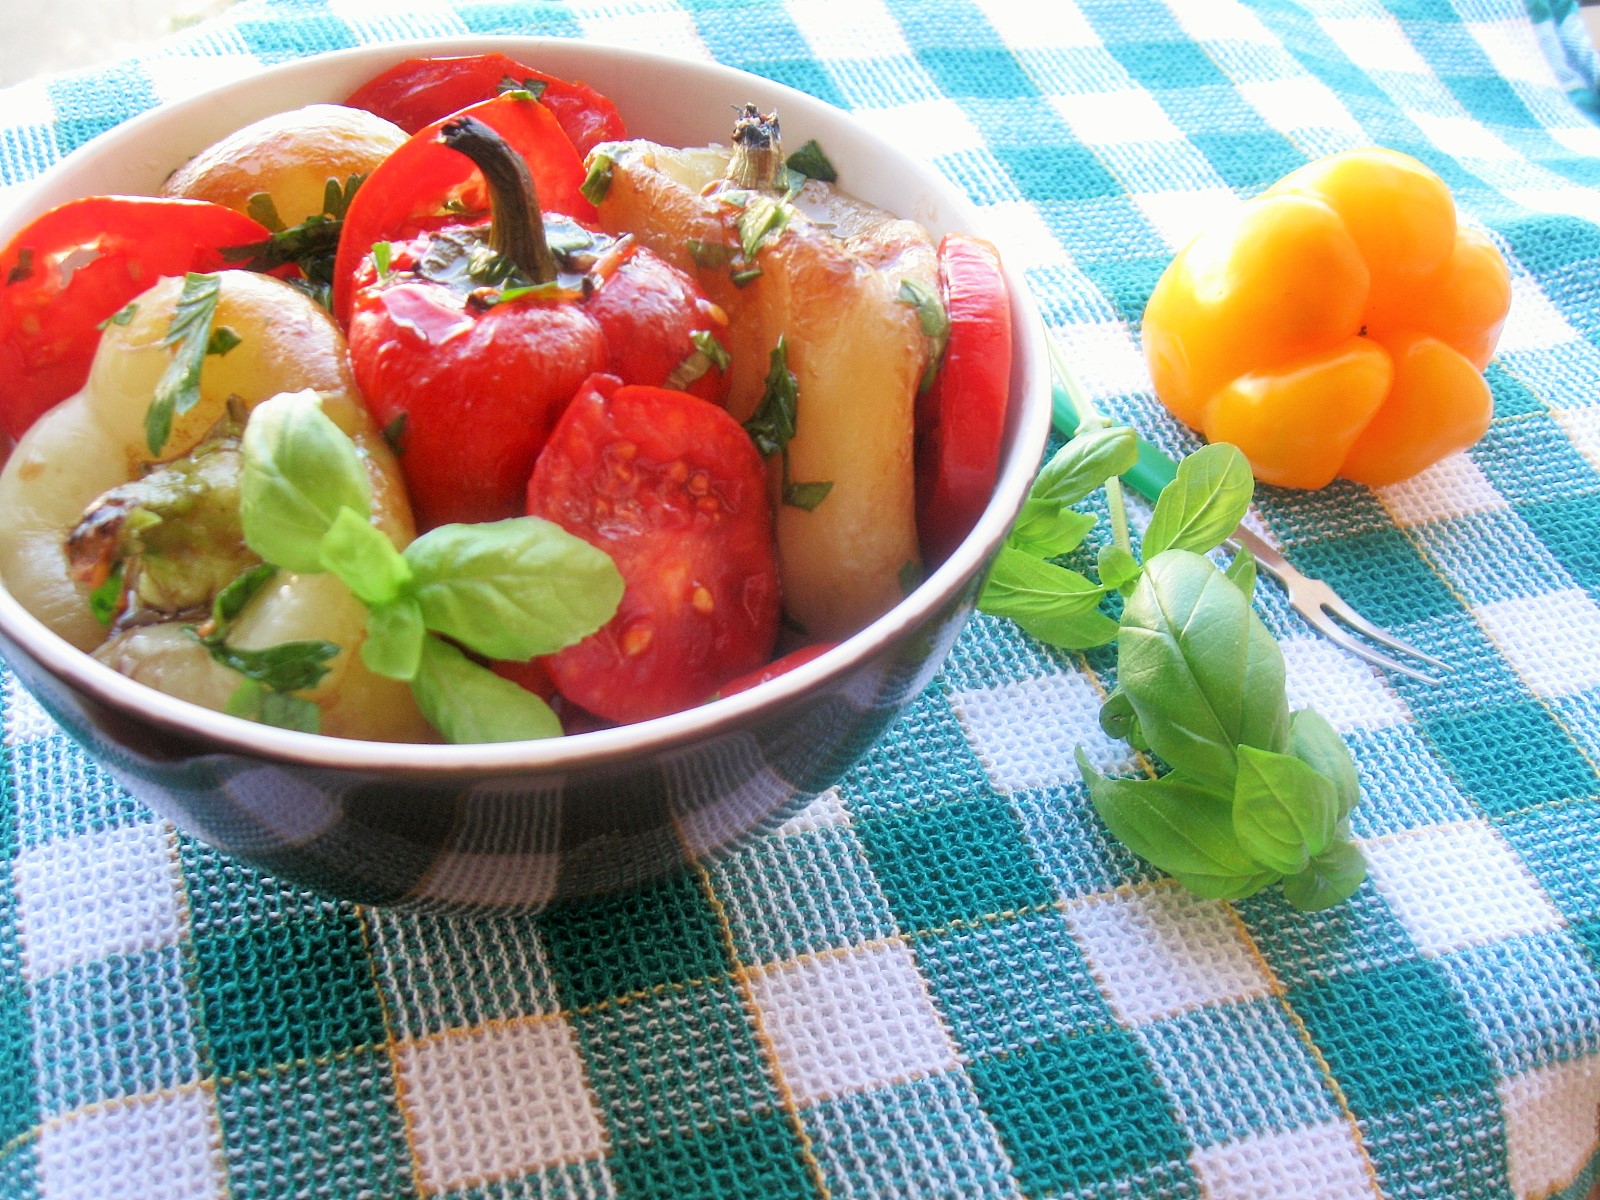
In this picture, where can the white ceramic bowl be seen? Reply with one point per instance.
(529, 823)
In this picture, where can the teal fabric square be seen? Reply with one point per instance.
(930, 762)
(1394, 1036)
(1512, 397)
(924, 1137)
(1569, 530)
(1381, 575)
(1158, 166)
(1098, 230)
(660, 936)
(1167, 66)
(1234, 1070)
(1079, 1111)
(1579, 715)
(1403, 783)
(881, 83)
(19, 1103)
(747, 35)
(1559, 845)
(1011, 983)
(1057, 172)
(287, 990)
(979, 174)
(1491, 100)
(545, 20)
(1475, 1165)
(960, 861)
(60, 793)
(114, 1028)
(1547, 980)
(88, 104)
(773, 921)
(448, 972)
(328, 1128)
(799, 73)
(1532, 459)
(1126, 284)
(679, 1059)
(1511, 758)
(762, 1156)
(27, 150)
(1469, 550)
(225, 895)
(582, 1179)
(1072, 845)
(989, 655)
(1248, 162)
(1306, 949)
(1339, 511)
(275, 41)
(976, 71)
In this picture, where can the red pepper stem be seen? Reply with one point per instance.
(757, 150)
(516, 225)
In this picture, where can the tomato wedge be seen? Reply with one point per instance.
(416, 93)
(964, 414)
(674, 490)
(410, 189)
(80, 263)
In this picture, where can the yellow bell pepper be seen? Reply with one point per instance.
(1337, 325)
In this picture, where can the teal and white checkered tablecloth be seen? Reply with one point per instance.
(942, 979)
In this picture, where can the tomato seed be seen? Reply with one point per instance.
(703, 601)
(636, 638)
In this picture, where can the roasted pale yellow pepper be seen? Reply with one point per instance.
(1338, 325)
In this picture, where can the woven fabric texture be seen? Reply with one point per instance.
(943, 978)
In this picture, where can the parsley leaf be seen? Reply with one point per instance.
(178, 389)
(597, 183)
(811, 162)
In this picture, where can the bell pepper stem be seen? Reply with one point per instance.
(757, 150)
(1090, 418)
(516, 224)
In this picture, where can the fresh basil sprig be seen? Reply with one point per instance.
(1252, 793)
(505, 589)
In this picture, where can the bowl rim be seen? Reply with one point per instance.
(1028, 425)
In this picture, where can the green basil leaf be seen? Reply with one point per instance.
(470, 704)
(1332, 877)
(772, 423)
(395, 634)
(254, 702)
(1176, 824)
(362, 556)
(1284, 813)
(1084, 464)
(1047, 530)
(1118, 720)
(231, 600)
(286, 667)
(178, 389)
(512, 589)
(1200, 508)
(121, 317)
(1242, 570)
(299, 469)
(712, 255)
(806, 495)
(1201, 670)
(263, 210)
(811, 162)
(759, 222)
(1225, 887)
(1053, 604)
(1317, 743)
(1117, 567)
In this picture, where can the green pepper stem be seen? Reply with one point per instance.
(757, 150)
(1089, 418)
(516, 225)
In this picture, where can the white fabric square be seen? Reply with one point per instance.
(1571, 199)
(824, 811)
(179, 76)
(1512, 48)
(1582, 425)
(1317, 1162)
(1452, 487)
(28, 103)
(88, 897)
(1108, 118)
(1300, 102)
(1222, 20)
(1020, 234)
(1454, 886)
(1105, 358)
(665, 32)
(1462, 137)
(1534, 322)
(1179, 216)
(164, 1146)
(1552, 641)
(849, 1021)
(25, 719)
(467, 878)
(926, 130)
(498, 1101)
(1029, 25)
(1163, 952)
(1343, 688)
(1375, 44)
(1026, 733)
(1550, 1124)
(1583, 138)
(848, 29)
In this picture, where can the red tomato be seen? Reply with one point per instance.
(532, 676)
(673, 489)
(409, 190)
(80, 263)
(776, 667)
(958, 454)
(420, 91)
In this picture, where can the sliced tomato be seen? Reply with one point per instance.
(80, 263)
(532, 676)
(412, 187)
(673, 489)
(416, 93)
(775, 668)
(958, 452)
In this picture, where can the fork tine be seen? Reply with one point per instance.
(1337, 634)
(1339, 609)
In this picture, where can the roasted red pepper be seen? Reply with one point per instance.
(470, 340)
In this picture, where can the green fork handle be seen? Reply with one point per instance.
(1149, 475)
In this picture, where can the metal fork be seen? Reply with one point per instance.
(1322, 607)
